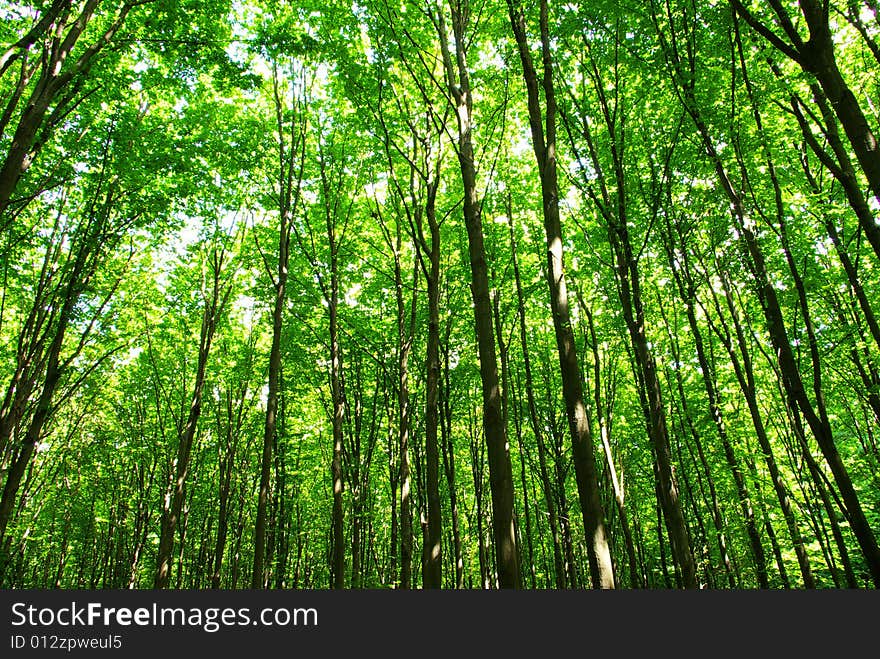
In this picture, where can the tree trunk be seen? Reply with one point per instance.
(213, 307)
(558, 563)
(432, 574)
(500, 470)
(449, 460)
(290, 140)
(544, 145)
(680, 267)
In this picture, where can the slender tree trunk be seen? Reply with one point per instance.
(404, 346)
(393, 481)
(291, 140)
(432, 575)
(526, 503)
(213, 307)
(500, 470)
(271, 419)
(543, 131)
(337, 394)
(449, 460)
(547, 488)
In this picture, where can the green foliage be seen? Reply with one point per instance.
(173, 143)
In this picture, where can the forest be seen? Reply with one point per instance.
(461, 294)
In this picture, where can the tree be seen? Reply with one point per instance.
(543, 131)
(214, 304)
(350, 295)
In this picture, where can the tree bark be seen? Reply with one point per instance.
(289, 196)
(543, 130)
(213, 307)
(500, 470)
(432, 574)
(547, 487)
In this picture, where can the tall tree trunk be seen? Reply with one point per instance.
(500, 470)
(291, 148)
(338, 400)
(404, 346)
(449, 459)
(543, 131)
(432, 574)
(271, 419)
(547, 487)
(393, 482)
(213, 307)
